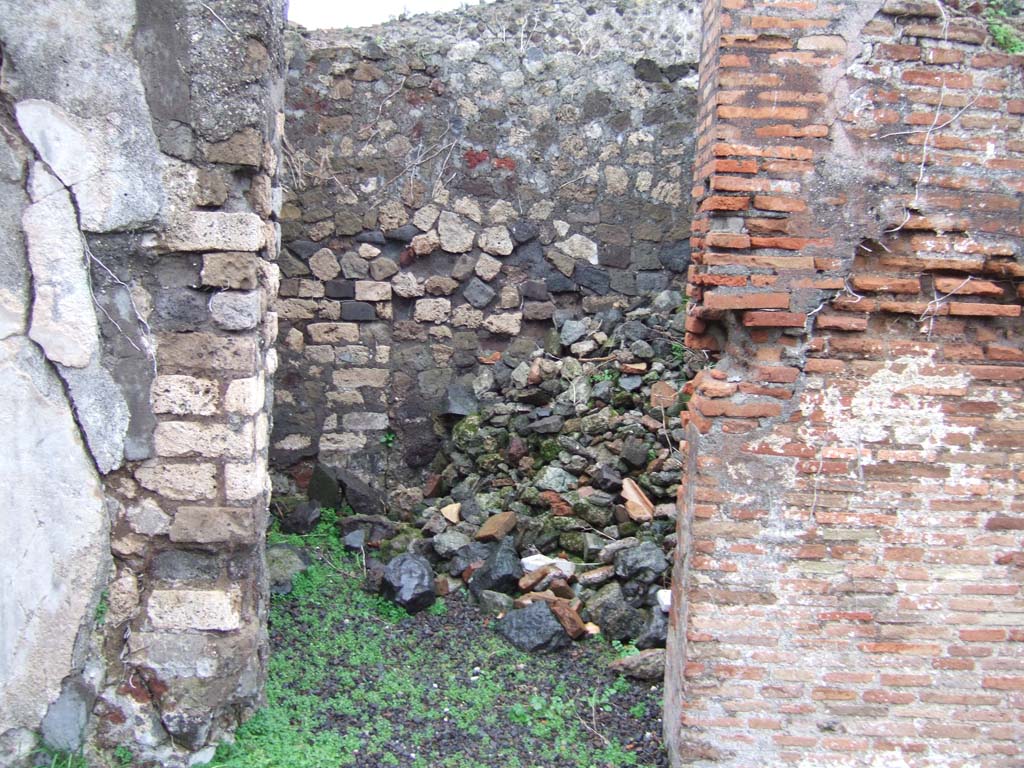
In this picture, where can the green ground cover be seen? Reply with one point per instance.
(354, 680)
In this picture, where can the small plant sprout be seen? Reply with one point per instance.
(999, 15)
(102, 607)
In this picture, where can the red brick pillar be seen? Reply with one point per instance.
(849, 582)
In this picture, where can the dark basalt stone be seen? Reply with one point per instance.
(373, 237)
(303, 249)
(340, 289)
(409, 581)
(357, 311)
(501, 570)
(534, 629)
(302, 519)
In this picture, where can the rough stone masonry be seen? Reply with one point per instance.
(458, 186)
(138, 203)
(848, 576)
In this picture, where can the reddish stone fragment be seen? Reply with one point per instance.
(469, 570)
(433, 486)
(638, 506)
(534, 579)
(517, 449)
(568, 618)
(533, 597)
(497, 526)
(596, 576)
(651, 424)
(475, 158)
(562, 589)
(663, 395)
(559, 506)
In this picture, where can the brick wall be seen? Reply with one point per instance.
(851, 593)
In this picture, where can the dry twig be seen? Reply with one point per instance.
(218, 18)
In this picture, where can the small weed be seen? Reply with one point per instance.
(608, 374)
(602, 699)
(1006, 37)
(102, 607)
(998, 15)
(325, 535)
(548, 451)
(124, 756)
(58, 759)
(388, 439)
(622, 650)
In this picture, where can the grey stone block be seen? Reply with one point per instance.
(594, 278)
(236, 310)
(358, 311)
(478, 293)
(340, 289)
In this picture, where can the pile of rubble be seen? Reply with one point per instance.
(556, 507)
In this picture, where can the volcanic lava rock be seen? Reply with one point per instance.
(534, 629)
(643, 563)
(302, 519)
(500, 571)
(409, 582)
(617, 618)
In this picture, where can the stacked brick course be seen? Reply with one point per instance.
(852, 590)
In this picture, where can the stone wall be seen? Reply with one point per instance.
(456, 183)
(138, 189)
(847, 585)
(852, 590)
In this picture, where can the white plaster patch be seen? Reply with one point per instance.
(113, 191)
(53, 528)
(93, 128)
(102, 412)
(63, 320)
(888, 408)
(12, 313)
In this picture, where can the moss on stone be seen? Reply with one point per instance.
(465, 433)
(548, 451)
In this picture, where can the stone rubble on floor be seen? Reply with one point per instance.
(558, 491)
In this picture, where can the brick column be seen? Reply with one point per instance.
(849, 578)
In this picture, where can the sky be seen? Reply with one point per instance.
(328, 14)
